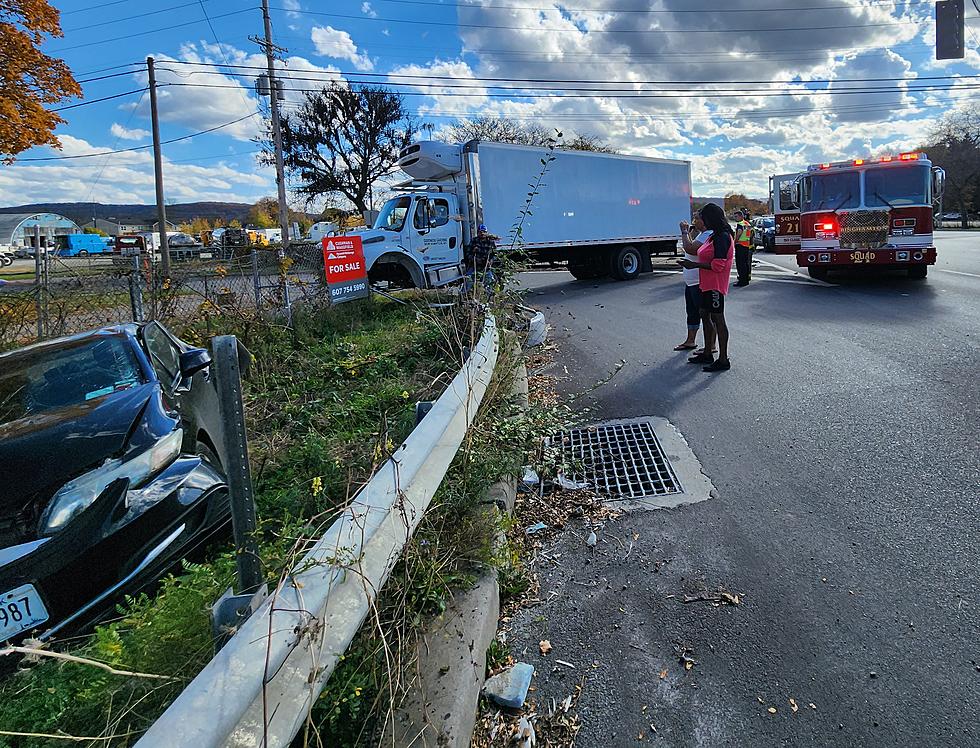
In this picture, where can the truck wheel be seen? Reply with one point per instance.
(625, 263)
(918, 272)
(818, 273)
(83, 253)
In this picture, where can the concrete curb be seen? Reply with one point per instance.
(451, 661)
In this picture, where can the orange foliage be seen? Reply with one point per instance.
(29, 79)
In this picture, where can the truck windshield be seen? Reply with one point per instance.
(900, 185)
(833, 191)
(392, 217)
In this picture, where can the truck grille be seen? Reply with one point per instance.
(863, 229)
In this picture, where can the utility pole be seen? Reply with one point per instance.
(158, 169)
(270, 56)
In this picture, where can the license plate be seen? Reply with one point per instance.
(21, 609)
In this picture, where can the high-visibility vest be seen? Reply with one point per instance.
(743, 236)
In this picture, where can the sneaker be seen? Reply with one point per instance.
(718, 365)
(701, 358)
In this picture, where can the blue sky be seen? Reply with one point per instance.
(720, 82)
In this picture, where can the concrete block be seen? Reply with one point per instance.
(509, 688)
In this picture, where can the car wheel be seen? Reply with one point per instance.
(625, 263)
(918, 272)
(83, 253)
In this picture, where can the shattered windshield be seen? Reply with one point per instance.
(56, 377)
(392, 217)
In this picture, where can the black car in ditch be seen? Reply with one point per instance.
(110, 468)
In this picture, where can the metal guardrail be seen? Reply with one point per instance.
(259, 688)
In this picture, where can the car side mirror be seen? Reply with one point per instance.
(193, 361)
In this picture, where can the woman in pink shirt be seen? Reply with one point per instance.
(715, 268)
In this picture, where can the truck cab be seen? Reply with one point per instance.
(416, 240)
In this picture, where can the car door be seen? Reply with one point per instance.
(196, 401)
(435, 235)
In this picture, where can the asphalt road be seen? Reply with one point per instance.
(843, 445)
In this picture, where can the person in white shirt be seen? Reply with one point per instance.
(692, 237)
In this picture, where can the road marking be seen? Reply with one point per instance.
(957, 272)
(795, 273)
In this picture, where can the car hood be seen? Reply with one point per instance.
(41, 453)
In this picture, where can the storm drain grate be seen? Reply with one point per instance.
(623, 459)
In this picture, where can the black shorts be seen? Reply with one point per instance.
(713, 302)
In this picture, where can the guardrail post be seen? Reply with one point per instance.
(227, 353)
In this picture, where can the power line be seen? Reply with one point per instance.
(150, 31)
(387, 77)
(712, 11)
(97, 101)
(665, 94)
(134, 17)
(597, 31)
(141, 147)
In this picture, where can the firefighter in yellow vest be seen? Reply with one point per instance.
(743, 247)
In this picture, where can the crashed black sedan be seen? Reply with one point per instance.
(110, 469)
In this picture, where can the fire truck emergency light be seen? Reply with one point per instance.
(826, 227)
(858, 161)
(910, 156)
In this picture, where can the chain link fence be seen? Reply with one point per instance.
(69, 295)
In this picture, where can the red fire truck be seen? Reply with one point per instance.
(860, 213)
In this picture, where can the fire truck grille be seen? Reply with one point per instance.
(863, 229)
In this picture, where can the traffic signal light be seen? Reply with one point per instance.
(949, 30)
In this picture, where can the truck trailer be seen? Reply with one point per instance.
(600, 214)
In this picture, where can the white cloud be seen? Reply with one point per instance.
(128, 178)
(331, 42)
(124, 133)
(292, 8)
(367, 10)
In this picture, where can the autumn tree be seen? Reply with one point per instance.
(264, 214)
(506, 130)
(30, 79)
(955, 146)
(344, 139)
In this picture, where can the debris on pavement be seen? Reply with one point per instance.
(536, 528)
(570, 485)
(718, 598)
(684, 653)
(592, 539)
(544, 646)
(509, 688)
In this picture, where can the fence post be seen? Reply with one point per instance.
(38, 284)
(228, 375)
(136, 288)
(256, 288)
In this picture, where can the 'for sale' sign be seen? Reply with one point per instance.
(343, 259)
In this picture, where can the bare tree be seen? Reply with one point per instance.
(343, 139)
(955, 145)
(505, 130)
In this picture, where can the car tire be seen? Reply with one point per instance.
(83, 253)
(819, 273)
(625, 263)
(918, 272)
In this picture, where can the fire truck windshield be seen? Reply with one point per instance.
(904, 185)
(833, 191)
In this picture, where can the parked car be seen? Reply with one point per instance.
(6, 257)
(952, 217)
(112, 473)
(764, 233)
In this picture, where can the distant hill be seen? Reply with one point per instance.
(84, 212)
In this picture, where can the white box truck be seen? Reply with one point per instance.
(601, 214)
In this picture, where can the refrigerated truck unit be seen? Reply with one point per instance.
(602, 214)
